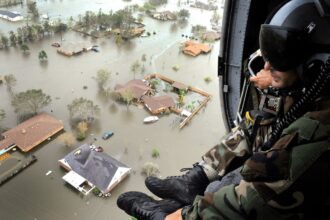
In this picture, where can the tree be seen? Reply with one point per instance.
(183, 14)
(43, 55)
(144, 57)
(135, 67)
(60, 27)
(32, 8)
(12, 38)
(4, 41)
(25, 48)
(46, 26)
(102, 77)
(82, 109)
(182, 94)
(127, 96)
(68, 139)
(30, 102)
(82, 129)
(154, 83)
(10, 82)
(2, 114)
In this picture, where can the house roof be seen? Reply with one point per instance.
(193, 48)
(98, 168)
(136, 86)
(159, 102)
(211, 35)
(179, 85)
(32, 132)
(9, 14)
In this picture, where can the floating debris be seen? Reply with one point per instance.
(49, 172)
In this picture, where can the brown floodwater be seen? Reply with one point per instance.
(32, 195)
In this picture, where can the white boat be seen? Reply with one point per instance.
(150, 119)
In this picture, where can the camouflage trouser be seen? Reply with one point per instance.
(231, 153)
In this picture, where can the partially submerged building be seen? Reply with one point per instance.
(194, 49)
(177, 87)
(88, 169)
(163, 16)
(136, 87)
(11, 15)
(72, 49)
(30, 133)
(211, 36)
(159, 104)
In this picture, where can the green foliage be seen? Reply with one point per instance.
(81, 136)
(176, 67)
(12, 38)
(144, 57)
(157, 2)
(155, 153)
(2, 114)
(183, 14)
(82, 109)
(191, 106)
(4, 41)
(60, 27)
(207, 79)
(148, 7)
(96, 191)
(135, 67)
(198, 29)
(10, 82)
(154, 83)
(127, 96)
(42, 55)
(30, 101)
(102, 77)
(32, 8)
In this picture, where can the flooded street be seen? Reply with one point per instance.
(31, 195)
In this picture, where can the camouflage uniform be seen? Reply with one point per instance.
(290, 179)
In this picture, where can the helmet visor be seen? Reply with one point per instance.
(281, 47)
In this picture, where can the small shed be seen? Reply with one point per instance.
(177, 86)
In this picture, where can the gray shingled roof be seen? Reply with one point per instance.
(98, 168)
(9, 14)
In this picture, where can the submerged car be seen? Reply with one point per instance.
(107, 135)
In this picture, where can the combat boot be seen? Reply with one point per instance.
(182, 188)
(143, 207)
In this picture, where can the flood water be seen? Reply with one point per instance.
(32, 195)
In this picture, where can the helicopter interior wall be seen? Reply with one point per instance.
(241, 25)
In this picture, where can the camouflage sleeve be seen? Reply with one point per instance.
(223, 204)
(231, 153)
(239, 202)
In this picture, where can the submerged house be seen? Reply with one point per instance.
(88, 169)
(30, 133)
(163, 16)
(159, 104)
(72, 49)
(136, 87)
(11, 16)
(193, 48)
